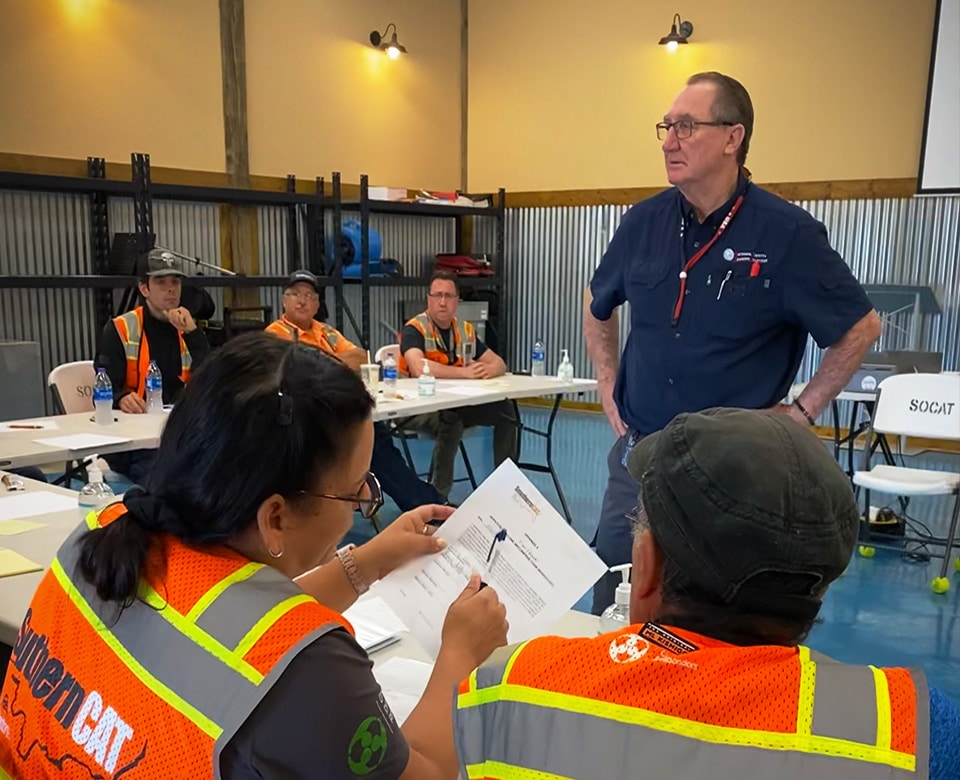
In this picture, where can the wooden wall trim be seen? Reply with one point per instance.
(808, 190)
(869, 189)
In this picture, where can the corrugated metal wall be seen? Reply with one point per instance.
(552, 253)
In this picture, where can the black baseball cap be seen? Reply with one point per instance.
(303, 276)
(731, 494)
(158, 262)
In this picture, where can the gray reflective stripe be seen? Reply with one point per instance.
(489, 675)
(228, 617)
(844, 702)
(923, 722)
(430, 343)
(185, 360)
(585, 747)
(131, 345)
(189, 670)
(239, 717)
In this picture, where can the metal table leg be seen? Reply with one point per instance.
(541, 468)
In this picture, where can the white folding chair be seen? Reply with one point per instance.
(922, 405)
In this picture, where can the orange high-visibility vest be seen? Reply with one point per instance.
(463, 333)
(651, 701)
(321, 336)
(159, 689)
(130, 328)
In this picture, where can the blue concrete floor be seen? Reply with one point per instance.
(881, 611)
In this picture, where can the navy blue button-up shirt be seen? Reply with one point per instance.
(771, 279)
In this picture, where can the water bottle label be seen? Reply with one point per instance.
(154, 383)
(538, 355)
(102, 394)
(389, 373)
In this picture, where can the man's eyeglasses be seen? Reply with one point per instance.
(443, 296)
(368, 500)
(304, 296)
(684, 128)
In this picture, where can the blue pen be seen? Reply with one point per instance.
(494, 548)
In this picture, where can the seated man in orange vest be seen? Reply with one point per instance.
(301, 303)
(159, 329)
(745, 520)
(454, 352)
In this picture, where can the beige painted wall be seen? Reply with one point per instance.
(565, 94)
(83, 78)
(319, 97)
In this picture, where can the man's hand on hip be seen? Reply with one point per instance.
(610, 409)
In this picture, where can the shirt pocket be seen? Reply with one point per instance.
(744, 305)
(648, 291)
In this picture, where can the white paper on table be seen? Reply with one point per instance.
(539, 571)
(39, 502)
(22, 426)
(403, 682)
(82, 441)
(467, 390)
(376, 625)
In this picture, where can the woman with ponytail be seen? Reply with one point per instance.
(195, 629)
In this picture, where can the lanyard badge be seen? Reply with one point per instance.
(678, 307)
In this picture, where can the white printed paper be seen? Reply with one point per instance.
(40, 502)
(539, 569)
(82, 441)
(403, 682)
(375, 624)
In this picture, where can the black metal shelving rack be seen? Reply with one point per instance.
(365, 207)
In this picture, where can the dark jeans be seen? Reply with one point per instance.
(134, 465)
(395, 475)
(30, 472)
(614, 540)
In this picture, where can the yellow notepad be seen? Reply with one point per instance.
(12, 562)
(13, 527)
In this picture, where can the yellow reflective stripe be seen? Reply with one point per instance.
(201, 721)
(4, 775)
(884, 718)
(196, 634)
(472, 681)
(263, 624)
(513, 658)
(704, 732)
(808, 684)
(91, 519)
(496, 770)
(211, 595)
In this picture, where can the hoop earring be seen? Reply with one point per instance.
(275, 554)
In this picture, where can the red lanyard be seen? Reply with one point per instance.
(700, 253)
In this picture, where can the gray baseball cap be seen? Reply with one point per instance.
(158, 262)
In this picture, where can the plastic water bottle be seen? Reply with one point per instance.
(565, 371)
(389, 376)
(427, 383)
(96, 494)
(102, 398)
(617, 615)
(154, 383)
(538, 359)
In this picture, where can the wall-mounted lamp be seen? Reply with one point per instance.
(679, 32)
(393, 48)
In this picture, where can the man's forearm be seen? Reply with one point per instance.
(603, 343)
(840, 362)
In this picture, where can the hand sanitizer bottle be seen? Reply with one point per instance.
(617, 615)
(427, 383)
(565, 371)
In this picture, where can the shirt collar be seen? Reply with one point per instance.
(713, 219)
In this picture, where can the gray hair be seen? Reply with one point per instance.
(640, 523)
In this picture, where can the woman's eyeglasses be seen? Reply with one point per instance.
(368, 500)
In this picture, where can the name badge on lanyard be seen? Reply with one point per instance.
(678, 307)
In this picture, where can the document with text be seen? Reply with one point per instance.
(507, 532)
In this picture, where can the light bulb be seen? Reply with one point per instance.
(672, 46)
(393, 52)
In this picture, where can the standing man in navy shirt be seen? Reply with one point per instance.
(725, 281)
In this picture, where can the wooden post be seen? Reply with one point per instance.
(238, 224)
(464, 89)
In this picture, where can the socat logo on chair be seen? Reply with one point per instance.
(932, 406)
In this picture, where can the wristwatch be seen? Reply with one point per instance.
(350, 568)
